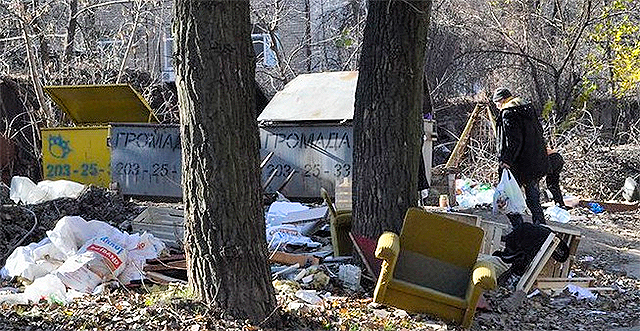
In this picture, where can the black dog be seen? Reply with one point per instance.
(521, 246)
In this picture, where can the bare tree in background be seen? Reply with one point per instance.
(308, 36)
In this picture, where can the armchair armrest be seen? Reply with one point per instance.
(388, 247)
(483, 277)
(388, 250)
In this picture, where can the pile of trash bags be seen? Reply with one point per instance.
(75, 258)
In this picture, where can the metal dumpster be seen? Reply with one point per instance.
(81, 153)
(146, 159)
(308, 127)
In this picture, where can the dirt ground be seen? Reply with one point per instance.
(609, 252)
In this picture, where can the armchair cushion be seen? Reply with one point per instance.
(432, 273)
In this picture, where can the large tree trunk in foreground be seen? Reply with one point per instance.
(225, 230)
(387, 120)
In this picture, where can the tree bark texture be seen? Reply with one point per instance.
(225, 240)
(387, 121)
(71, 31)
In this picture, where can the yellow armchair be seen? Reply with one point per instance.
(340, 226)
(431, 267)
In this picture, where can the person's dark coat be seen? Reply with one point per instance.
(521, 143)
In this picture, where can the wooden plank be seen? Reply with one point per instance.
(560, 283)
(570, 236)
(538, 262)
(179, 265)
(163, 279)
(494, 242)
(460, 146)
(290, 259)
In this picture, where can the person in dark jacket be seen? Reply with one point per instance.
(556, 162)
(522, 149)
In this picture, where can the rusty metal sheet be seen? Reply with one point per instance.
(320, 155)
(146, 159)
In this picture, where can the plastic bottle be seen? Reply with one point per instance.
(558, 214)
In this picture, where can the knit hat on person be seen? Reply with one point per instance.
(501, 93)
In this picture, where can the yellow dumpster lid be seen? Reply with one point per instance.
(101, 103)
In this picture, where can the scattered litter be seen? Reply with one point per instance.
(571, 201)
(581, 292)
(533, 293)
(26, 191)
(80, 255)
(307, 221)
(307, 279)
(595, 207)
(470, 193)
(381, 313)
(288, 235)
(309, 296)
(278, 211)
(350, 276)
(557, 214)
(399, 313)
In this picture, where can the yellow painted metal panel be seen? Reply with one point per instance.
(77, 154)
(101, 104)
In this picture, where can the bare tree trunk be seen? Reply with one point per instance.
(129, 44)
(387, 119)
(45, 111)
(71, 31)
(225, 229)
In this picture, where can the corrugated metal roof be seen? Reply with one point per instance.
(325, 96)
(101, 103)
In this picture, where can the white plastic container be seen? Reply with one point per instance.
(571, 201)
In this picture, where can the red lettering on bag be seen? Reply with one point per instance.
(112, 259)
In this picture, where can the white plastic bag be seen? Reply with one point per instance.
(98, 260)
(25, 191)
(33, 261)
(508, 197)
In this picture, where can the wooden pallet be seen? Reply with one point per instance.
(539, 261)
(571, 236)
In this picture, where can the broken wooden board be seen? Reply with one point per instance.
(572, 237)
(533, 270)
(163, 279)
(560, 283)
(290, 259)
